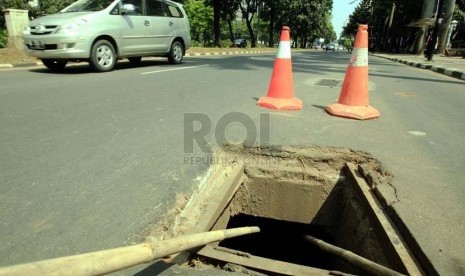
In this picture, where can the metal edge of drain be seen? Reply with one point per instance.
(415, 248)
(260, 263)
(396, 236)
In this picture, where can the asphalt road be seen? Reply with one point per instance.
(89, 160)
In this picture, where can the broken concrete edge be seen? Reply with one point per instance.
(420, 256)
(34, 64)
(451, 72)
(214, 199)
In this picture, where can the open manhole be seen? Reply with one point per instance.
(293, 192)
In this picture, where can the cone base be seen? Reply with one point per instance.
(280, 104)
(353, 112)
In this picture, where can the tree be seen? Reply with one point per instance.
(360, 15)
(201, 20)
(216, 5)
(248, 9)
(229, 9)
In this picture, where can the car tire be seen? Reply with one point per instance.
(54, 64)
(135, 60)
(102, 56)
(176, 53)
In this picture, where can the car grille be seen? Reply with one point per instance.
(43, 29)
(46, 47)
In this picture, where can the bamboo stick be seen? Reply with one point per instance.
(106, 261)
(358, 261)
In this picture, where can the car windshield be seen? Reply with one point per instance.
(88, 5)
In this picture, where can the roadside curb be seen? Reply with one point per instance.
(20, 65)
(34, 64)
(228, 53)
(451, 72)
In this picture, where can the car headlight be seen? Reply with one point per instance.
(73, 27)
(27, 30)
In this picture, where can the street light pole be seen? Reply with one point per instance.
(434, 39)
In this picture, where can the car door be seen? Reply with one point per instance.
(134, 29)
(161, 26)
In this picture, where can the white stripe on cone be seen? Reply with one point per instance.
(359, 57)
(284, 50)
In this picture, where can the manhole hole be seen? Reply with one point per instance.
(293, 192)
(328, 82)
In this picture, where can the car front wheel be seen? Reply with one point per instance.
(102, 56)
(54, 64)
(176, 53)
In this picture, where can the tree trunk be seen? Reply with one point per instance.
(388, 29)
(271, 27)
(248, 21)
(216, 23)
(253, 43)
(231, 31)
(445, 26)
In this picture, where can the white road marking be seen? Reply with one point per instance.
(173, 69)
(417, 133)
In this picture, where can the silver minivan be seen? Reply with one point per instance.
(103, 31)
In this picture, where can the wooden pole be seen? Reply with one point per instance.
(106, 261)
(358, 261)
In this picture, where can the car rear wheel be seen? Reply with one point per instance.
(102, 56)
(135, 60)
(176, 53)
(54, 64)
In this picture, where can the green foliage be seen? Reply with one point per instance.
(347, 43)
(361, 15)
(459, 15)
(44, 7)
(201, 21)
(3, 38)
(225, 43)
(308, 19)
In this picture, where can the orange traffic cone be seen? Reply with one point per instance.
(281, 90)
(353, 100)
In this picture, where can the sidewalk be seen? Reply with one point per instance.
(450, 66)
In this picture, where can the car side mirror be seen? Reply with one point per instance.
(127, 9)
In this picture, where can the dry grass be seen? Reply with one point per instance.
(14, 56)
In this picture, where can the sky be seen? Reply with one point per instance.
(341, 11)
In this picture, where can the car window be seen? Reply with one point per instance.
(155, 8)
(174, 11)
(137, 6)
(87, 5)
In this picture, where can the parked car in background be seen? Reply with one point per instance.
(240, 43)
(103, 31)
(331, 47)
